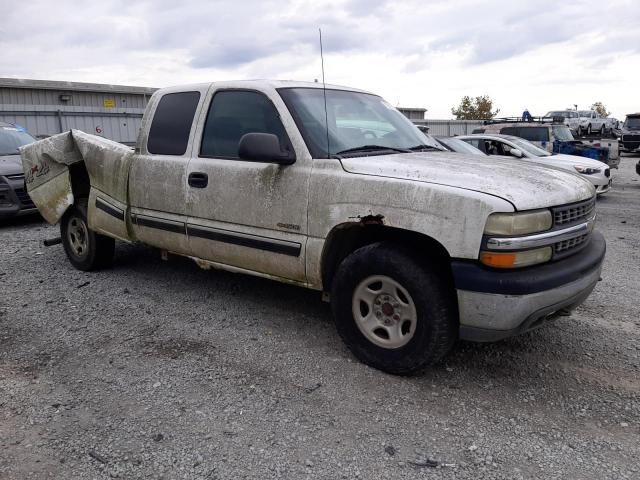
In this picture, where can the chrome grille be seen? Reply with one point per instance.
(567, 246)
(574, 213)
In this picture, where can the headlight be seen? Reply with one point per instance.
(518, 223)
(516, 259)
(586, 170)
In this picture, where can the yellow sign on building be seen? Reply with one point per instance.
(109, 103)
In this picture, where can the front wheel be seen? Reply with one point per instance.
(85, 249)
(394, 312)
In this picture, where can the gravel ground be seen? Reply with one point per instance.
(160, 370)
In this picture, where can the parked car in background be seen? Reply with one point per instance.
(332, 189)
(14, 199)
(554, 137)
(590, 122)
(630, 133)
(508, 145)
(570, 118)
(454, 144)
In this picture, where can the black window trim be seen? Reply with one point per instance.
(206, 118)
(191, 130)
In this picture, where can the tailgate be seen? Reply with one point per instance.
(613, 146)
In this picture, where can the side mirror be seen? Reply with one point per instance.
(263, 147)
(515, 152)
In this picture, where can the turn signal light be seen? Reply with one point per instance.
(516, 259)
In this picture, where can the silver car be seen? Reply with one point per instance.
(596, 172)
(14, 199)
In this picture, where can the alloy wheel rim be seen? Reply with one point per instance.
(384, 312)
(77, 235)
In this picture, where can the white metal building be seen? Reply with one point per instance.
(46, 107)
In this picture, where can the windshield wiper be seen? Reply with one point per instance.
(372, 148)
(425, 148)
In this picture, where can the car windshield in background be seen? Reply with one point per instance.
(562, 133)
(460, 146)
(632, 122)
(11, 138)
(556, 114)
(358, 122)
(530, 147)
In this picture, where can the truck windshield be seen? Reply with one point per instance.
(11, 138)
(358, 122)
(632, 123)
(562, 133)
(585, 113)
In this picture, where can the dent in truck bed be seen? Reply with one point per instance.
(48, 168)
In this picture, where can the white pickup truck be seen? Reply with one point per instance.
(591, 122)
(336, 191)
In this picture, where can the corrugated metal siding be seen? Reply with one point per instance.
(43, 113)
(449, 128)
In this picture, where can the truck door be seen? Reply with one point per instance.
(245, 214)
(158, 175)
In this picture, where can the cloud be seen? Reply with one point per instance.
(397, 46)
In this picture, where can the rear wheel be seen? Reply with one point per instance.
(85, 249)
(603, 130)
(394, 312)
(589, 129)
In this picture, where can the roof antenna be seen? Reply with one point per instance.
(324, 93)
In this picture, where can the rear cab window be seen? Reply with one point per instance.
(533, 134)
(172, 122)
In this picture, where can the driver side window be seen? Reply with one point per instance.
(232, 114)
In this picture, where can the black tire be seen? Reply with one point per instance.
(589, 129)
(89, 250)
(436, 326)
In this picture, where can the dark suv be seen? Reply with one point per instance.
(14, 199)
(630, 133)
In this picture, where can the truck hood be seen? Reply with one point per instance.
(10, 165)
(525, 185)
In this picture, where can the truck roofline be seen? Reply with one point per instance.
(258, 84)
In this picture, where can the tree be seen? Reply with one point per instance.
(478, 108)
(600, 109)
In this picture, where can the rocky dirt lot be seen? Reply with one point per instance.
(160, 370)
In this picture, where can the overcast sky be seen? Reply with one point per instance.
(540, 54)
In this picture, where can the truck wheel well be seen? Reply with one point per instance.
(347, 238)
(80, 182)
